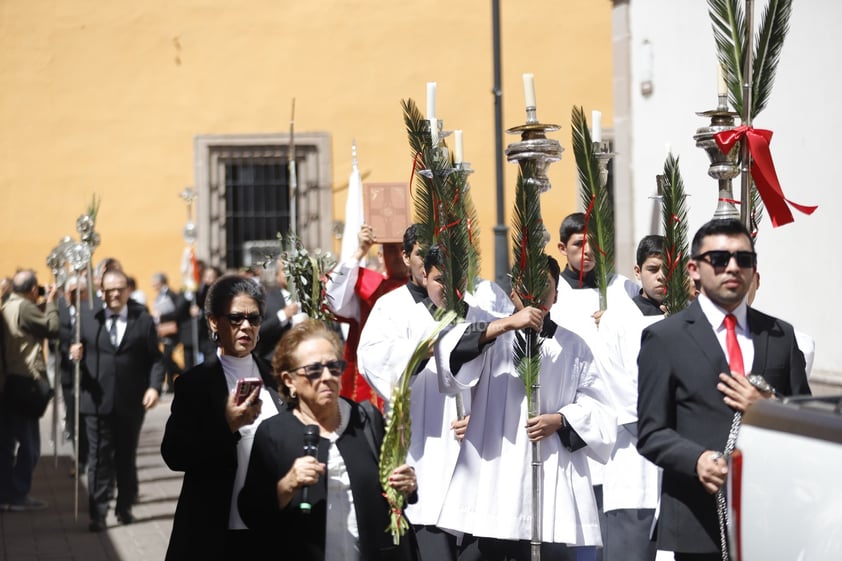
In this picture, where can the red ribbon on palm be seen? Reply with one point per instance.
(763, 172)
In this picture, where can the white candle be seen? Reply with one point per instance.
(529, 89)
(596, 126)
(431, 100)
(457, 156)
(721, 84)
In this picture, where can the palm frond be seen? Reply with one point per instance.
(597, 201)
(398, 432)
(529, 272)
(422, 195)
(756, 212)
(770, 40)
(731, 36)
(443, 208)
(307, 274)
(674, 216)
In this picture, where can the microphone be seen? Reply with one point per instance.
(311, 448)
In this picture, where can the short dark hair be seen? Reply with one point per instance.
(226, 288)
(726, 226)
(161, 278)
(572, 224)
(434, 258)
(107, 264)
(650, 246)
(410, 238)
(553, 268)
(282, 357)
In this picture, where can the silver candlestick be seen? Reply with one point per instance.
(723, 167)
(535, 147)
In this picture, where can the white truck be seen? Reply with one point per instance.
(785, 482)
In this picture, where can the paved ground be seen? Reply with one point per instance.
(54, 535)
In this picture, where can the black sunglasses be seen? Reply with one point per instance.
(720, 258)
(314, 371)
(237, 319)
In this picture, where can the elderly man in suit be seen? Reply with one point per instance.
(692, 378)
(122, 375)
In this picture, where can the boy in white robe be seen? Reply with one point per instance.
(630, 481)
(577, 309)
(397, 323)
(490, 494)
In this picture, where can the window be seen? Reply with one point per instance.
(243, 202)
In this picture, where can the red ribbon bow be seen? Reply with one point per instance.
(763, 172)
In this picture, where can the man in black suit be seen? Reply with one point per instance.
(122, 375)
(687, 397)
(278, 317)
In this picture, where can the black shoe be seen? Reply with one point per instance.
(97, 525)
(125, 517)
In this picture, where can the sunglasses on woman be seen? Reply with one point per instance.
(314, 371)
(237, 319)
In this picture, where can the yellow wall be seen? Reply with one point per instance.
(106, 98)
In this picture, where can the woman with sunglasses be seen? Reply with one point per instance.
(326, 506)
(211, 428)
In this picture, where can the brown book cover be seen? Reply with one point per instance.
(386, 210)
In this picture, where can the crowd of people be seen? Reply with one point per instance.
(277, 424)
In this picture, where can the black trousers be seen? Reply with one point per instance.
(508, 550)
(112, 458)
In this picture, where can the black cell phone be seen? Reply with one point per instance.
(42, 291)
(245, 386)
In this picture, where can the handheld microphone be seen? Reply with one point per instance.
(311, 448)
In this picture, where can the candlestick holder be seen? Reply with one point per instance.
(723, 167)
(535, 147)
(188, 195)
(440, 152)
(602, 153)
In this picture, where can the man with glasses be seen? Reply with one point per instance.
(693, 369)
(122, 375)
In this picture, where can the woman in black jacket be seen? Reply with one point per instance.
(209, 434)
(348, 516)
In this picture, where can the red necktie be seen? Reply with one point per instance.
(735, 355)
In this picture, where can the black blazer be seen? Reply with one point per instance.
(271, 330)
(681, 413)
(114, 380)
(198, 442)
(277, 444)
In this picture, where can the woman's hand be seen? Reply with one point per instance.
(244, 414)
(542, 426)
(403, 479)
(305, 471)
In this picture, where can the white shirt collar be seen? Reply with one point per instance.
(716, 315)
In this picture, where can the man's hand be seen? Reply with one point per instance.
(150, 398)
(291, 309)
(459, 427)
(527, 318)
(711, 469)
(366, 240)
(738, 391)
(597, 315)
(76, 351)
(52, 293)
(542, 426)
